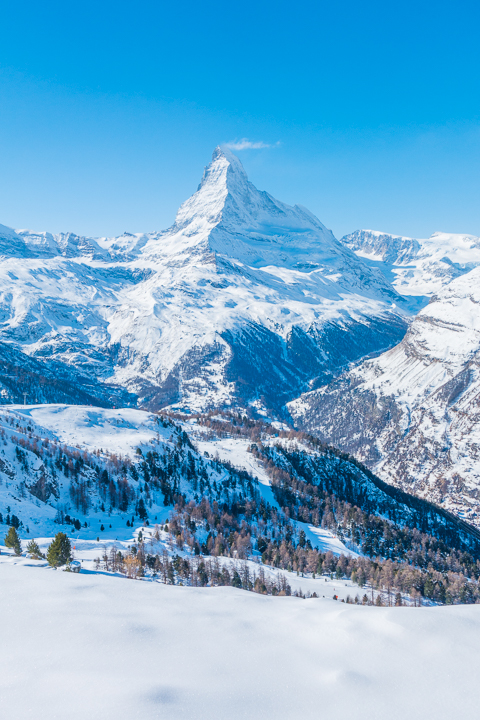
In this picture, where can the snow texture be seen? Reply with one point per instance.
(90, 646)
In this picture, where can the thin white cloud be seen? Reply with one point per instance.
(245, 144)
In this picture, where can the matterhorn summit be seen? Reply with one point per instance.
(230, 218)
(227, 200)
(243, 301)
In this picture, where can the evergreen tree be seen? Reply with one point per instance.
(34, 549)
(13, 541)
(141, 510)
(236, 580)
(59, 550)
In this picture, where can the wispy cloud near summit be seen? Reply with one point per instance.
(246, 144)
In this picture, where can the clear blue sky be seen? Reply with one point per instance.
(110, 110)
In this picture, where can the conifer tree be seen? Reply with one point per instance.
(141, 510)
(59, 550)
(34, 549)
(13, 541)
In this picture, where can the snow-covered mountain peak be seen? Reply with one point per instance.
(226, 196)
(222, 157)
(223, 175)
(419, 267)
(229, 219)
(241, 286)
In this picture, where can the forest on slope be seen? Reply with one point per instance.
(393, 542)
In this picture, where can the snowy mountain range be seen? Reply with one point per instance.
(243, 300)
(412, 413)
(370, 342)
(417, 267)
(244, 307)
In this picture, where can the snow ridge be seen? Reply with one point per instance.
(417, 267)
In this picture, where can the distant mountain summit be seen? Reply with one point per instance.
(244, 300)
(238, 221)
(417, 267)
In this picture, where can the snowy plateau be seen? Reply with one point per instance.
(261, 444)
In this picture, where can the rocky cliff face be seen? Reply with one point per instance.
(413, 413)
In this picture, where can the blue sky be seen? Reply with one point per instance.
(110, 110)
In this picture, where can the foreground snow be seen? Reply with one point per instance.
(88, 646)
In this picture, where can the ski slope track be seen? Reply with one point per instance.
(243, 300)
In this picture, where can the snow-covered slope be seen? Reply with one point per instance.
(412, 414)
(243, 298)
(101, 467)
(90, 646)
(53, 455)
(417, 267)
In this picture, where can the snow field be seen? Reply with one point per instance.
(84, 646)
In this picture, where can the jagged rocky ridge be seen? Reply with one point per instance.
(243, 300)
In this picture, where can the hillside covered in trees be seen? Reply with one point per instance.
(288, 503)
